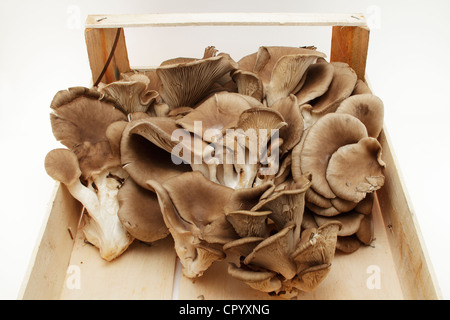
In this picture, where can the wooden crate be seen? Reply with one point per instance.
(63, 266)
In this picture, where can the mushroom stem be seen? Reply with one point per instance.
(103, 227)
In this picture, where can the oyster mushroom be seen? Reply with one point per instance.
(316, 247)
(249, 223)
(103, 227)
(293, 131)
(132, 93)
(139, 212)
(90, 125)
(274, 253)
(317, 80)
(145, 150)
(264, 281)
(368, 108)
(322, 141)
(185, 84)
(356, 169)
(340, 88)
(280, 69)
(198, 230)
(79, 119)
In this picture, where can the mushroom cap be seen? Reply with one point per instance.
(350, 222)
(340, 88)
(323, 139)
(287, 74)
(184, 84)
(79, 121)
(249, 223)
(365, 233)
(248, 84)
(317, 81)
(242, 246)
(62, 165)
(195, 255)
(369, 109)
(219, 112)
(292, 133)
(145, 160)
(287, 204)
(310, 278)
(274, 253)
(316, 246)
(264, 281)
(132, 95)
(254, 122)
(207, 215)
(356, 169)
(361, 88)
(139, 212)
(264, 60)
(246, 198)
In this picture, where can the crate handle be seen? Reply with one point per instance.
(349, 40)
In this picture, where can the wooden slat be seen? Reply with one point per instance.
(99, 43)
(350, 44)
(409, 252)
(223, 19)
(142, 272)
(47, 272)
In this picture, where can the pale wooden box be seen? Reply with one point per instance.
(397, 257)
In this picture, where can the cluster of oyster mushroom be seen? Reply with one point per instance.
(270, 161)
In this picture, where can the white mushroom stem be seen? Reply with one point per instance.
(103, 227)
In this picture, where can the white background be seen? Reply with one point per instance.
(42, 50)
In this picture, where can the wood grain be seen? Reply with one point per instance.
(99, 43)
(350, 44)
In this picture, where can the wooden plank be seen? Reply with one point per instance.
(142, 272)
(350, 44)
(224, 19)
(99, 43)
(409, 251)
(50, 259)
(350, 276)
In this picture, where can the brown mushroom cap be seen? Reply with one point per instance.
(316, 246)
(62, 165)
(287, 204)
(292, 133)
(208, 215)
(369, 109)
(249, 223)
(274, 253)
(132, 94)
(287, 73)
(195, 257)
(248, 84)
(145, 160)
(356, 169)
(317, 80)
(242, 246)
(139, 212)
(322, 140)
(184, 84)
(350, 222)
(79, 121)
(341, 87)
(264, 281)
(220, 111)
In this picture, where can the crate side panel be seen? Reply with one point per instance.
(52, 256)
(143, 271)
(368, 273)
(414, 268)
